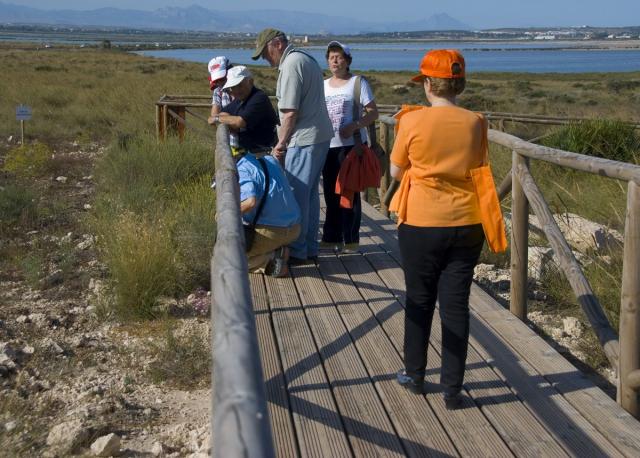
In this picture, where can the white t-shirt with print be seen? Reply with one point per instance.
(340, 107)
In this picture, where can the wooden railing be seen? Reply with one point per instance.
(240, 421)
(623, 352)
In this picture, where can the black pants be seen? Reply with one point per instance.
(438, 263)
(341, 224)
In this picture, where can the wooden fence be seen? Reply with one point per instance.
(240, 425)
(623, 352)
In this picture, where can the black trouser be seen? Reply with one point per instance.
(438, 263)
(340, 224)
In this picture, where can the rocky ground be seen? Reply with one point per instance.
(72, 381)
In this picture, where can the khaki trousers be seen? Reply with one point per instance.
(268, 239)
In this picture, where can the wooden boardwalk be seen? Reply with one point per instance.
(331, 342)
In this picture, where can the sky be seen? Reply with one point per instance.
(476, 13)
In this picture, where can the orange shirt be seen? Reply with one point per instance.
(437, 147)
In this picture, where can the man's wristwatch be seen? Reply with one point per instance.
(216, 119)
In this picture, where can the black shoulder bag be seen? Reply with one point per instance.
(250, 229)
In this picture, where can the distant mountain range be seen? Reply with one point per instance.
(197, 18)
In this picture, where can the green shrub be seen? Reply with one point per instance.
(618, 86)
(141, 261)
(610, 139)
(194, 229)
(27, 161)
(17, 205)
(145, 173)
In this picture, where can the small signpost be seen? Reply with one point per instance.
(23, 113)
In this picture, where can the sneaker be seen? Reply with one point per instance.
(351, 248)
(453, 401)
(416, 386)
(279, 267)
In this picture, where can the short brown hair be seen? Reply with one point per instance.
(339, 49)
(446, 87)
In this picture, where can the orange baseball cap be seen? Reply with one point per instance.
(439, 63)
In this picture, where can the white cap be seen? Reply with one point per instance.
(217, 68)
(235, 75)
(337, 44)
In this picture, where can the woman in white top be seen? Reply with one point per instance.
(341, 228)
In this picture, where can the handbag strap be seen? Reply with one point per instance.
(266, 190)
(357, 107)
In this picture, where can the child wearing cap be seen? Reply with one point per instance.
(439, 228)
(218, 67)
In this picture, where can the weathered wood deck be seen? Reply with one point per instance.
(331, 342)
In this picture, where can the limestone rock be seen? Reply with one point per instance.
(539, 258)
(581, 233)
(108, 445)
(87, 242)
(8, 357)
(572, 327)
(494, 278)
(157, 449)
(10, 425)
(68, 436)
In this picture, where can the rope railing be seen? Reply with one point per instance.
(623, 348)
(240, 421)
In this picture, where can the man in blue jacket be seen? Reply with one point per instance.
(253, 118)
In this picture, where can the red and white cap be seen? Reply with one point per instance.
(217, 69)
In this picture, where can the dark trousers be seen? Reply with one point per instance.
(340, 224)
(438, 263)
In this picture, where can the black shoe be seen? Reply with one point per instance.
(453, 401)
(415, 385)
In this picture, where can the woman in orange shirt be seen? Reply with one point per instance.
(439, 227)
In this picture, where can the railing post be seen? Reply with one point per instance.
(630, 305)
(160, 126)
(174, 126)
(385, 142)
(519, 242)
(165, 121)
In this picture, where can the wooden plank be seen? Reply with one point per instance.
(515, 424)
(469, 430)
(576, 435)
(277, 398)
(319, 428)
(618, 426)
(368, 427)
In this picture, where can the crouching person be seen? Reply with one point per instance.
(265, 191)
(266, 199)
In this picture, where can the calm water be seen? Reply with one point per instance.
(480, 57)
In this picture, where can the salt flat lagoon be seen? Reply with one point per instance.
(529, 57)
